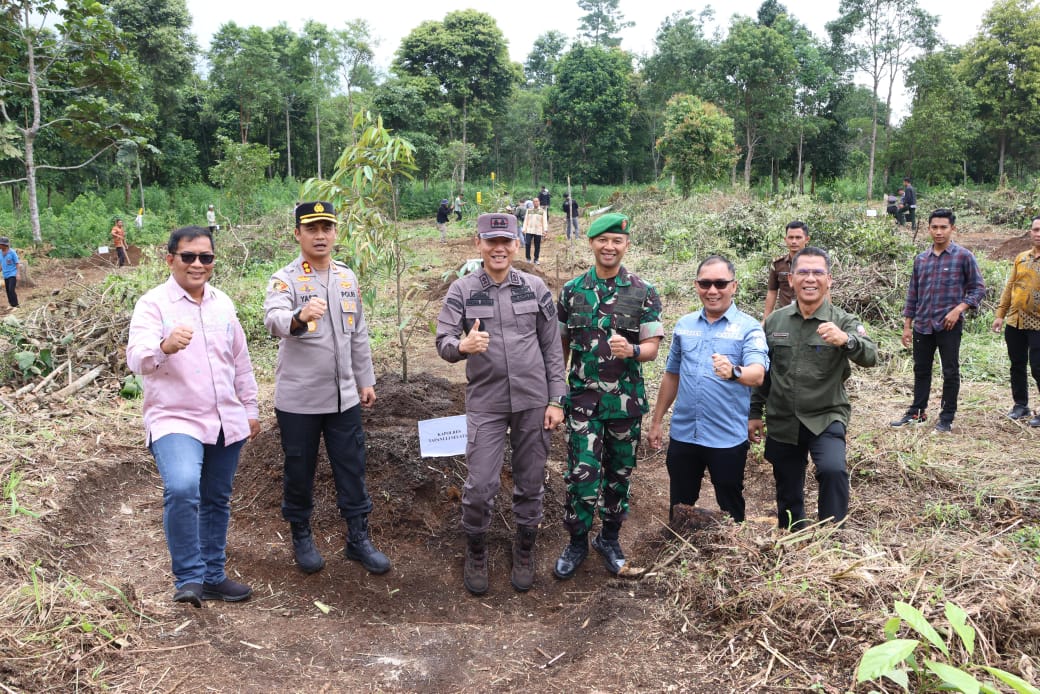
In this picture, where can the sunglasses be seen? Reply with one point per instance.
(188, 258)
(718, 284)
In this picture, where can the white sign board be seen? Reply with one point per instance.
(872, 213)
(102, 250)
(442, 437)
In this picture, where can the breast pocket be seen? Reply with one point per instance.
(526, 315)
(485, 313)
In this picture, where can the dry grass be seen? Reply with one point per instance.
(933, 519)
(59, 629)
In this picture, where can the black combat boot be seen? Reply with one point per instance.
(307, 557)
(607, 544)
(573, 555)
(359, 547)
(522, 577)
(475, 570)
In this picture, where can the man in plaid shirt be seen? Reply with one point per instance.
(945, 281)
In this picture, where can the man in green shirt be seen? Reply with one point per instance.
(811, 343)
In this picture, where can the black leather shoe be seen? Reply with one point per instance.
(613, 557)
(943, 426)
(1035, 421)
(227, 590)
(190, 593)
(1019, 412)
(909, 418)
(360, 548)
(573, 555)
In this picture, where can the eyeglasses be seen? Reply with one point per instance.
(188, 258)
(718, 284)
(804, 272)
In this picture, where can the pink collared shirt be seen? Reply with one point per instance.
(205, 387)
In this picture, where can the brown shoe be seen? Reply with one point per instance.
(522, 577)
(475, 570)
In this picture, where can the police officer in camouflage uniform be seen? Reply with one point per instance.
(610, 322)
(503, 323)
(323, 379)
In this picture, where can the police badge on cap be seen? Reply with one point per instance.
(496, 225)
(315, 211)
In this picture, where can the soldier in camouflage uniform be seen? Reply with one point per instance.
(610, 322)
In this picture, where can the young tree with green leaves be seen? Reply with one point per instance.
(355, 57)
(540, 66)
(240, 171)
(602, 22)
(755, 70)
(589, 111)
(364, 188)
(1002, 63)
(243, 73)
(60, 67)
(935, 138)
(697, 144)
(466, 55)
(877, 37)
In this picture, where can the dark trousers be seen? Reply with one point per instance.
(536, 240)
(121, 252)
(789, 462)
(9, 285)
(345, 445)
(948, 344)
(686, 463)
(1023, 347)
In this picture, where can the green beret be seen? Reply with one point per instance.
(613, 223)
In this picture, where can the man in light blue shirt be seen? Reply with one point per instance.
(9, 263)
(717, 355)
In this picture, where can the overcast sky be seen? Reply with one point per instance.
(525, 20)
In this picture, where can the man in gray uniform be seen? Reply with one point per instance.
(503, 323)
(323, 379)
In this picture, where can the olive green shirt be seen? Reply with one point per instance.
(806, 379)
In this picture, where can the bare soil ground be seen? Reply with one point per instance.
(415, 628)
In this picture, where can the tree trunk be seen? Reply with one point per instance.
(16, 199)
(140, 181)
(30, 186)
(873, 148)
(801, 164)
(317, 133)
(288, 142)
(462, 172)
(1002, 143)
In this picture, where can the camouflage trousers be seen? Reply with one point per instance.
(601, 454)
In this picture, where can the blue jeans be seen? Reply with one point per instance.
(196, 504)
(571, 223)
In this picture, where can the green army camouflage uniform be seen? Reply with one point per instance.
(607, 398)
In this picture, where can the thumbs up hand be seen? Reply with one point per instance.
(476, 341)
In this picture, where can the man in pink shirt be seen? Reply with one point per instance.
(199, 409)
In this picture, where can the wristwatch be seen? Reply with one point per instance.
(852, 344)
(556, 401)
(737, 372)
